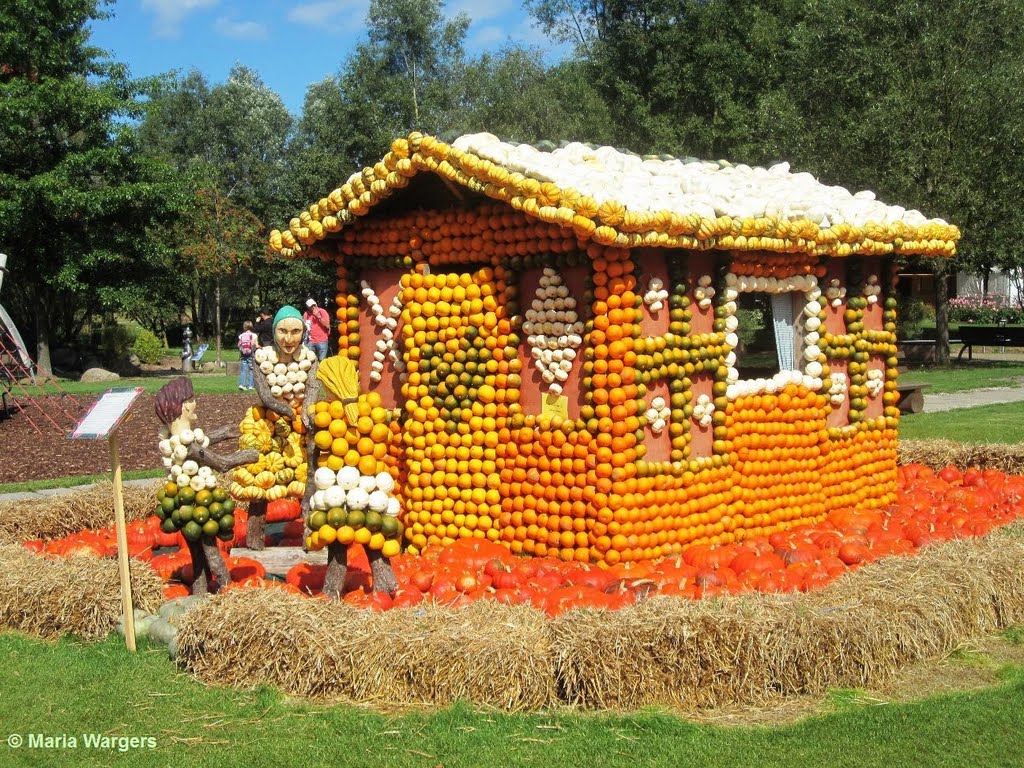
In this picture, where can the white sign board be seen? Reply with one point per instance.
(106, 414)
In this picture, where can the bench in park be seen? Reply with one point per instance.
(911, 396)
(988, 336)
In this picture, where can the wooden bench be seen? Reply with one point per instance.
(911, 396)
(988, 336)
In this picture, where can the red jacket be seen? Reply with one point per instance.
(319, 324)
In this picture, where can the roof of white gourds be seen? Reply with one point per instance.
(621, 199)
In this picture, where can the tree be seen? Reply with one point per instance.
(76, 195)
(229, 140)
(923, 105)
(513, 95)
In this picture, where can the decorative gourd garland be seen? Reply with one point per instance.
(287, 380)
(181, 470)
(553, 330)
(813, 370)
(388, 323)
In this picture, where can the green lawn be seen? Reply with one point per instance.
(75, 688)
(1001, 424)
(203, 383)
(966, 375)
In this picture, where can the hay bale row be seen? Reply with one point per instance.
(937, 454)
(67, 513)
(487, 653)
(81, 596)
(859, 631)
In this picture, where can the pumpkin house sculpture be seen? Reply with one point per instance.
(559, 334)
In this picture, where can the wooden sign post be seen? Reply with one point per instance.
(101, 421)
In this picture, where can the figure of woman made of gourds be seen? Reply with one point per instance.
(285, 376)
(191, 501)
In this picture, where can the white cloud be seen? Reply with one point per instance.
(240, 30)
(170, 13)
(340, 15)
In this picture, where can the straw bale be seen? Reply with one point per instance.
(859, 631)
(491, 655)
(693, 655)
(943, 453)
(246, 638)
(65, 513)
(52, 596)
(487, 653)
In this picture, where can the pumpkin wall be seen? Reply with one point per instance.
(632, 436)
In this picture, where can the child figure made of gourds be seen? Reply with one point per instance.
(351, 497)
(284, 375)
(191, 501)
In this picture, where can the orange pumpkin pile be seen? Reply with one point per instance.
(927, 508)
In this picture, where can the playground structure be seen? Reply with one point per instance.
(21, 391)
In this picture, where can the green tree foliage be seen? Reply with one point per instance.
(919, 102)
(229, 141)
(76, 197)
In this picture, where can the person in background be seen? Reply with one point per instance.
(247, 344)
(264, 328)
(319, 324)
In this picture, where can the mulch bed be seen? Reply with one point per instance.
(33, 448)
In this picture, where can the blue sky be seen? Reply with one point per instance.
(290, 43)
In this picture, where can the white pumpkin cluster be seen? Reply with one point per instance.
(658, 415)
(691, 187)
(875, 382)
(351, 490)
(656, 295)
(181, 469)
(553, 330)
(837, 392)
(703, 410)
(286, 380)
(872, 289)
(388, 323)
(835, 293)
(704, 292)
(811, 375)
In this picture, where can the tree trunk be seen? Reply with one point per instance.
(200, 579)
(216, 315)
(383, 574)
(942, 314)
(337, 567)
(215, 565)
(255, 527)
(43, 365)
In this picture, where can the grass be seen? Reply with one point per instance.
(73, 480)
(203, 383)
(69, 687)
(964, 376)
(1001, 424)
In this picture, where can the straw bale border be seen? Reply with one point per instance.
(691, 655)
(73, 511)
(943, 453)
(491, 654)
(52, 596)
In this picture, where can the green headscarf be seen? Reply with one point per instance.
(284, 313)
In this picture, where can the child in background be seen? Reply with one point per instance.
(247, 343)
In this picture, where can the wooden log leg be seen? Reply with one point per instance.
(200, 581)
(337, 567)
(255, 526)
(383, 574)
(216, 568)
